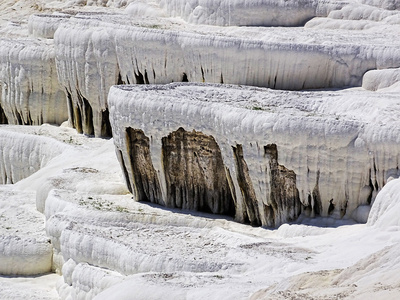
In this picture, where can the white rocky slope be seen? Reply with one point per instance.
(22, 155)
(103, 46)
(25, 248)
(108, 246)
(97, 51)
(342, 145)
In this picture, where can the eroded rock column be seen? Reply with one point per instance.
(195, 173)
(144, 177)
(252, 213)
(283, 200)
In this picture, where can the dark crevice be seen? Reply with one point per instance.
(375, 172)
(316, 197)
(275, 81)
(78, 119)
(331, 207)
(184, 77)
(202, 74)
(146, 78)
(106, 130)
(3, 117)
(70, 108)
(139, 78)
(120, 81)
(29, 119)
(86, 114)
(19, 118)
(221, 79)
(369, 199)
(82, 115)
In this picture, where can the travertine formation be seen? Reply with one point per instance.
(280, 156)
(284, 201)
(195, 174)
(143, 179)
(21, 155)
(94, 52)
(314, 149)
(30, 91)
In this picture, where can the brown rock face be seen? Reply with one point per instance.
(195, 173)
(197, 179)
(283, 199)
(145, 180)
(251, 214)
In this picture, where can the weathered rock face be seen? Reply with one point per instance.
(251, 211)
(284, 201)
(144, 176)
(334, 154)
(195, 178)
(195, 174)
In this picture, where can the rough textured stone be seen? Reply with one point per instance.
(195, 173)
(283, 201)
(251, 213)
(145, 181)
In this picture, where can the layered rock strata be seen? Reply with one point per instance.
(30, 91)
(239, 12)
(334, 154)
(94, 52)
(21, 155)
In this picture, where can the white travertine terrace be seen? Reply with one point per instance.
(21, 155)
(30, 91)
(58, 60)
(342, 145)
(94, 52)
(44, 26)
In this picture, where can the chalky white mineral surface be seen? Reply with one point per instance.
(70, 228)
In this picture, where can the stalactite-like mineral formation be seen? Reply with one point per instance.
(30, 91)
(331, 159)
(144, 177)
(195, 173)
